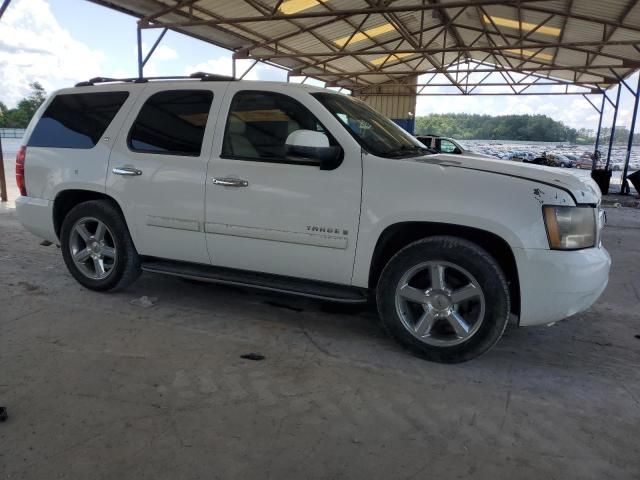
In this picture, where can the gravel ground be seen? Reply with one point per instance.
(97, 387)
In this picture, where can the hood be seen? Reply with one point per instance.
(468, 153)
(581, 187)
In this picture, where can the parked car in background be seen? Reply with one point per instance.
(562, 161)
(551, 160)
(447, 145)
(585, 162)
(300, 190)
(519, 156)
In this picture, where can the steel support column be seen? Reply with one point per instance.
(4, 6)
(613, 127)
(601, 112)
(140, 65)
(624, 189)
(3, 180)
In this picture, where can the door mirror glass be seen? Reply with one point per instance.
(312, 145)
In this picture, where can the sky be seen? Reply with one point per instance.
(61, 42)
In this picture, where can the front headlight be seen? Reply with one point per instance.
(570, 228)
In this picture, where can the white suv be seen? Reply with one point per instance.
(305, 191)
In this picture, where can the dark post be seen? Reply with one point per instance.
(595, 150)
(140, 65)
(153, 48)
(599, 125)
(613, 126)
(4, 6)
(3, 180)
(624, 189)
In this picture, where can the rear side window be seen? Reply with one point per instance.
(76, 120)
(172, 123)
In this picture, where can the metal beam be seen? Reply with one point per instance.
(587, 18)
(3, 7)
(139, 40)
(625, 188)
(607, 35)
(3, 180)
(483, 70)
(593, 104)
(481, 94)
(613, 127)
(169, 9)
(433, 51)
(563, 28)
(341, 12)
(471, 84)
(595, 149)
(153, 48)
(182, 14)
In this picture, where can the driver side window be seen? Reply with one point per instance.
(259, 124)
(447, 147)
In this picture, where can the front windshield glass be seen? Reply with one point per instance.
(375, 132)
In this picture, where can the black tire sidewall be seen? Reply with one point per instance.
(470, 257)
(126, 264)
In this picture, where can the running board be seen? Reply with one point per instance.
(263, 281)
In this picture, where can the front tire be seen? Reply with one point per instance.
(97, 247)
(444, 298)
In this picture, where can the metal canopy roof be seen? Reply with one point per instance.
(521, 46)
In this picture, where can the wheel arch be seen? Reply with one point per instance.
(67, 199)
(399, 235)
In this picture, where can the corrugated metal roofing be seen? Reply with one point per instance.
(588, 43)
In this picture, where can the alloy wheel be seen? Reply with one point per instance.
(93, 248)
(439, 303)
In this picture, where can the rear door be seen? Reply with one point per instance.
(158, 166)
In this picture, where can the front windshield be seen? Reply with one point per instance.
(375, 132)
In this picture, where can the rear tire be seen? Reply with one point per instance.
(444, 298)
(97, 247)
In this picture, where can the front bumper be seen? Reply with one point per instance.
(557, 284)
(36, 215)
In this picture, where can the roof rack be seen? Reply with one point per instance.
(203, 76)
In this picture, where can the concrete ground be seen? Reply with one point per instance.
(97, 387)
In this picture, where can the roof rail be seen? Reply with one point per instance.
(203, 76)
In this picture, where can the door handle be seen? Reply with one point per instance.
(127, 171)
(230, 182)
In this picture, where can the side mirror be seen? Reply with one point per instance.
(314, 146)
(457, 151)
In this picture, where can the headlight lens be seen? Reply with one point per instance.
(570, 228)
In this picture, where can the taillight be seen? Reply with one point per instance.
(20, 158)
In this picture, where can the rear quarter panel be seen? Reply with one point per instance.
(49, 171)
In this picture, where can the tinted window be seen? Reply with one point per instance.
(76, 120)
(447, 147)
(172, 122)
(260, 122)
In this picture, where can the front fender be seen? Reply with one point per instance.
(396, 191)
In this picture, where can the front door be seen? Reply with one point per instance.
(269, 212)
(158, 166)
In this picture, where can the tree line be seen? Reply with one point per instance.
(538, 128)
(20, 116)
